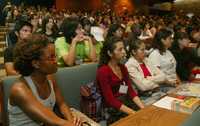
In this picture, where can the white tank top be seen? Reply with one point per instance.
(18, 118)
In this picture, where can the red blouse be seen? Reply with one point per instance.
(145, 70)
(108, 82)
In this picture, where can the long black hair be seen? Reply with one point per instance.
(69, 27)
(157, 42)
(108, 46)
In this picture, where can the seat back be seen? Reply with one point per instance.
(193, 120)
(70, 79)
(6, 85)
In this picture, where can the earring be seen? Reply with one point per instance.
(109, 53)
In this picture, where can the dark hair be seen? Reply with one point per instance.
(20, 24)
(134, 45)
(69, 26)
(109, 45)
(112, 29)
(28, 50)
(179, 36)
(85, 22)
(44, 23)
(157, 42)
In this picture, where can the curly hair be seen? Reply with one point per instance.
(109, 45)
(28, 50)
(157, 42)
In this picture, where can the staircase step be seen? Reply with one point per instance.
(2, 32)
(2, 38)
(1, 60)
(2, 73)
(4, 29)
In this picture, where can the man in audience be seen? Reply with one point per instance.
(22, 30)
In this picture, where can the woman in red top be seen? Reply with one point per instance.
(113, 78)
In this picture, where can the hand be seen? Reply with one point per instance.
(78, 38)
(172, 82)
(77, 121)
(132, 112)
(87, 38)
(178, 81)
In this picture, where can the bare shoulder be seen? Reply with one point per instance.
(19, 91)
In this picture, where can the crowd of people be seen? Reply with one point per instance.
(136, 54)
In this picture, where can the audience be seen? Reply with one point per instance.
(73, 38)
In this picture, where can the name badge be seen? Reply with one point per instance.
(123, 89)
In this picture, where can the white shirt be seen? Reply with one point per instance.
(137, 76)
(166, 63)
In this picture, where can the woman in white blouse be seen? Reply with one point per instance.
(145, 75)
(162, 58)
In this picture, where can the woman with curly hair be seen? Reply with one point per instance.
(113, 80)
(33, 96)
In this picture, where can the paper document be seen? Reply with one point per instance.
(189, 90)
(165, 102)
(197, 76)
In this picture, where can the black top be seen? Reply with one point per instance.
(11, 38)
(8, 55)
(185, 59)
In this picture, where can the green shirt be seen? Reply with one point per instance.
(62, 48)
(98, 47)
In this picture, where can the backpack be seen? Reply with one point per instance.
(91, 101)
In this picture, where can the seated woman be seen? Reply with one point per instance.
(49, 28)
(162, 58)
(185, 56)
(74, 47)
(114, 82)
(145, 75)
(115, 30)
(33, 96)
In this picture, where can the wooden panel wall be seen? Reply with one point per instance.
(79, 4)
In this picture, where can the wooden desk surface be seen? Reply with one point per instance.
(153, 116)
